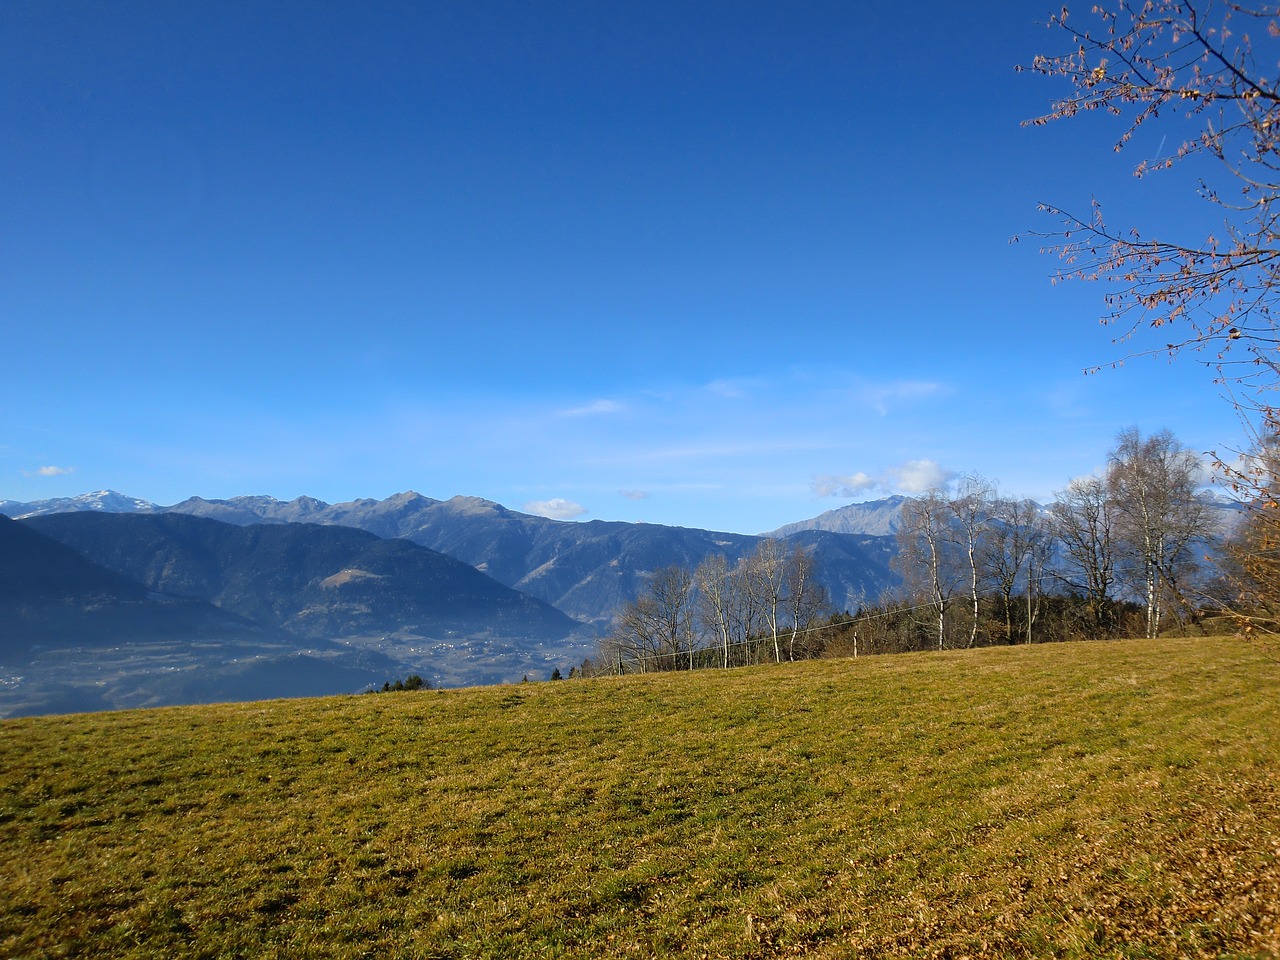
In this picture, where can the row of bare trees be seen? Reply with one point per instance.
(956, 548)
(1115, 552)
(978, 564)
(718, 614)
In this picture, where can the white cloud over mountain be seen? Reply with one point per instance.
(556, 508)
(911, 477)
(828, 485)
(918, 476)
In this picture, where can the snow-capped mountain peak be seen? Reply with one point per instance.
(100, 501)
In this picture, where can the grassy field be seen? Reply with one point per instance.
(1073, 800)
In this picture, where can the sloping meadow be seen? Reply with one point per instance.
(1076, 800)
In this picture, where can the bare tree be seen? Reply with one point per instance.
(805, 599)
(1084, 526)
(655, 631)
(1152, 484)
(1017, 542)
(971, 515)
(1039, 558)
(672, 590)
(1213, 63)
(633, 640)
(925, 556)
(717, 599)
(747, 612)
(765, 577)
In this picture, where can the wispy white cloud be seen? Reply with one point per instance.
(911, 477)
(594, 408)
(51, 472)
(882, 397)
(828, 485)
(729, 389)
(1207, 470)
(556, 508)
(634, 494)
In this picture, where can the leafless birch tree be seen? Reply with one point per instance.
(1152, 483)
(971, 516)
(925, 556)
(805, 600)
(766, 582)
(1084, 526)
(1017, 546)
(717, 599)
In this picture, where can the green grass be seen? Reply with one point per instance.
(1073, 800)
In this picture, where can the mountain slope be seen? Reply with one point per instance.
(75, 636)
(585, 569)
(313, 580)
(879, 518)
(52, 595)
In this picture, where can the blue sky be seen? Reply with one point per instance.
(723, 265)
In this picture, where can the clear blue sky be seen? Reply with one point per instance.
(724, 265)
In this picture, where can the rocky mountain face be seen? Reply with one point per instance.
(877, 518)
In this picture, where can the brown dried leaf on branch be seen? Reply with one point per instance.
(1212, 69)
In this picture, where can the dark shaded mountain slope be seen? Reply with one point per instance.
(585, 569)
(51, 595)
(313, 580)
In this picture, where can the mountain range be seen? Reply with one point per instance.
(463, 591)
(313, 581)
(49, 590)
(587, 570)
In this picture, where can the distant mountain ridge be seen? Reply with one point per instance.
(878, 518)
(315, 581)
(587, 570)
(49, 591)
(102, 501)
